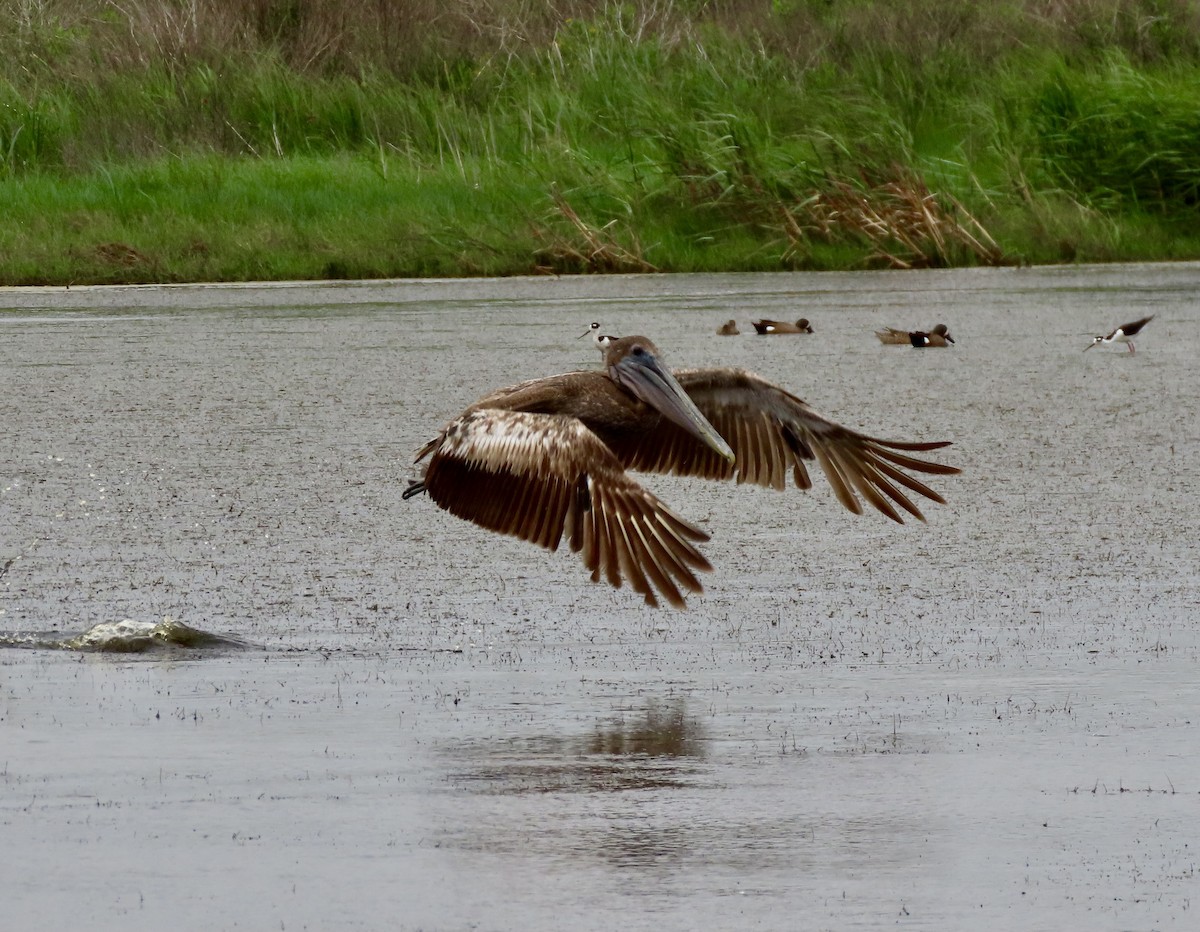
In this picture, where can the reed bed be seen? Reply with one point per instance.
(228, 139)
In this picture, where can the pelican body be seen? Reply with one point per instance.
(766, 328)
(1121, 335)
(891, 336)
(550, 458)
(728, 329)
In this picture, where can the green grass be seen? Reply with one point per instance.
(1122, 137)
(213, 218)
(278, 140)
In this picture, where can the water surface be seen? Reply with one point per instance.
(985, 721)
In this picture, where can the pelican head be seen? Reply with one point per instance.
(633, 363)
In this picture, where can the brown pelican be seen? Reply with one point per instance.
(550, 458)
(894, 337)
(938, 336)
(728, 329)
(772, 327)
(1122, 335)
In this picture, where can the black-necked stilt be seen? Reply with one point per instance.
(1122, 335)
(600, 339)
(938, 336)
(728, 329)
(767, 328)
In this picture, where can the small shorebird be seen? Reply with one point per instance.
(938, 336)
(550, 459)
(1122, 335)
(771, 327)
(600, 339)
(728, 329)
(892, 336)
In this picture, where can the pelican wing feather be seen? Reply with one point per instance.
(541, 477)
(772, 431)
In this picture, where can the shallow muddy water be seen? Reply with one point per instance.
(991, 720)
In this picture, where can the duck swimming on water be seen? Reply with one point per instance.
(938, 336)
(766, 328)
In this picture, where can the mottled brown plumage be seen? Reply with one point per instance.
(549, 458)
(890, 336)
(938, 336)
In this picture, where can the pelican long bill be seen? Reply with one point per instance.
(641, 372)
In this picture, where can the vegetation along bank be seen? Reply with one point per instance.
(194, 140)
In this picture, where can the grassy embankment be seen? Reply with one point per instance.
(279, 139)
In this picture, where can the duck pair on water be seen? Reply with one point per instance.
(765, 328)
(939, 336)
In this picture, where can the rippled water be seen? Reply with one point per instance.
(123, 637)
(400, 721)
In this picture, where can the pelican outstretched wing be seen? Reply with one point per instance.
(541, 477)
(772, 431)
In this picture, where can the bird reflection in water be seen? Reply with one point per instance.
(663, 730)
(662, 745)
(613, 798)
